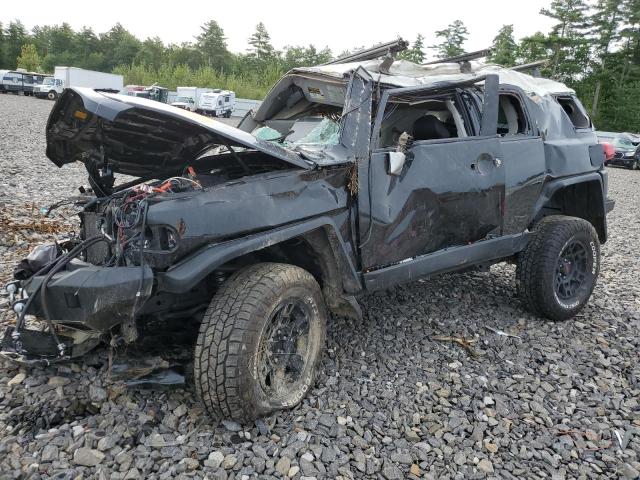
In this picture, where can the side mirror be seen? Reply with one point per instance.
(396, 162)
(397, 158)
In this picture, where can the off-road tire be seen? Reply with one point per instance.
(226, 370)
(538, 266)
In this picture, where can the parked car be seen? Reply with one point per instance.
(349, 178)
(627, 153)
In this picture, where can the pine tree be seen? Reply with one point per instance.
(568, 39)
(2, 47)
(605, 24)
(532, 48)
(504, 49)
(15, 37)
(260, 42)
(453, 38)
(213, 45)
(416, 52)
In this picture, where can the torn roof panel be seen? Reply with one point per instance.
(403, 73)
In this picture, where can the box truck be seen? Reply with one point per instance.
(188, 98)
(64, 77)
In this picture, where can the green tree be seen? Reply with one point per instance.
(303, 57)
(183, 54)
(2, 47)
(152, 52)
(532, 48)
(260, 43)
(416, 52)
(504, 49)
(15, 37)
(605, 24)
(213, 45)
(41, 38)
(119, 46)
(87, 50)
(29, 58)
(452, 40)
(568, 38)
(62, 39)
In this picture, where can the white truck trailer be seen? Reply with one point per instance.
(65, 77)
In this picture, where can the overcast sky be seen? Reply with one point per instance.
(338, 24)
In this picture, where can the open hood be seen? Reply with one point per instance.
(140, 137)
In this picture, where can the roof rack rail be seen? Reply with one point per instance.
(465, 57)
(381, 50)
(533, 67)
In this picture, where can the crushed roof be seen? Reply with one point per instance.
(403, 73)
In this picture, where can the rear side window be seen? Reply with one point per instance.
(512, 119)
(574, 110)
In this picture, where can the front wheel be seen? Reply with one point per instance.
(52, 95)
(557, 271)
(260, 342)
(636, 164)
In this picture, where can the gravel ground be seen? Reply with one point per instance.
(557, 400)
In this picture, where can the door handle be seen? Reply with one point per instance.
(497, 162)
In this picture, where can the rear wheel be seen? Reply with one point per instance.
(558, 269)
(260, 342)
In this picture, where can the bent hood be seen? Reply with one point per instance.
(140, 137)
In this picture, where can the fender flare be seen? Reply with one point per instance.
(552, 187)
(190, 271)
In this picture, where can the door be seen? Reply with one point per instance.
(450, 189)
(523, 158)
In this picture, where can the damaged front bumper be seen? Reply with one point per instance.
(83, 302)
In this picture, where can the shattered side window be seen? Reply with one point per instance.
(574, 110)
(512, 119)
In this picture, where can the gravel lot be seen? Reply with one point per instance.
(558, 400)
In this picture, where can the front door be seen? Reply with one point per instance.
(450, 189)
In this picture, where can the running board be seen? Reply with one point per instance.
(447, 260)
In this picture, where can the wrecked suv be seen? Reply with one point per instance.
(349, 178)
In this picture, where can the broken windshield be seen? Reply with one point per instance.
(303, 131)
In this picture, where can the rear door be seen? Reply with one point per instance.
(523, 155)
(450, 190)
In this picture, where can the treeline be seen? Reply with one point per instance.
(204, 62)
(594, 46)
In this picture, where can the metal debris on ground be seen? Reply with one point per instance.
(502, 333)
(463, 342)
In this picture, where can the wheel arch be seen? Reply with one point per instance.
(315, 245)
(580, 196)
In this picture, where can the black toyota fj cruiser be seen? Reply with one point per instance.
(350, 178)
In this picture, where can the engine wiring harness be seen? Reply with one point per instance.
(128, 213)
